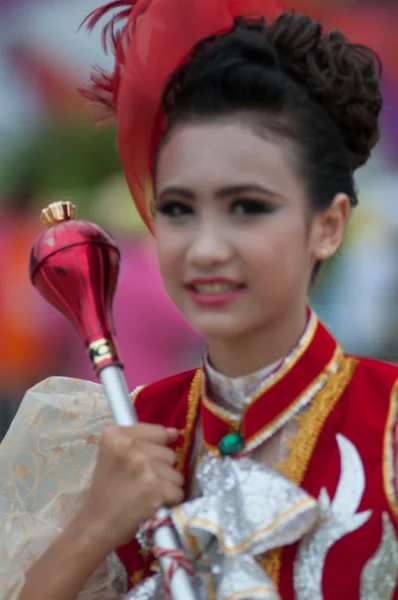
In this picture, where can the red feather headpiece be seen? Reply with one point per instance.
(156, 38)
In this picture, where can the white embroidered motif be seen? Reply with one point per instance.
(380, 574)
(339, 519)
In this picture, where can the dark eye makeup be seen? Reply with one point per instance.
(242, 207)
(174, 208)
(250, 207)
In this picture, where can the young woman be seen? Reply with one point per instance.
(251, 127)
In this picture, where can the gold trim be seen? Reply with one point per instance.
(302, 444)
(232, 422)
(192, 411)
(188, 539)
(269, 381)
(210, 588)
(137, 576)
(312, 421)
(245, 545)
(101, 350)
(287, 365)
(290, 410)
(135, 392)
(257, 590)
(57, 212)
(388, 458)
(272, 563)
(272, 379)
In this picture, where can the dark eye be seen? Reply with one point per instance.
(247, 207)
(175, 209)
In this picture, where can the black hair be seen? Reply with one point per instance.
(316, 88)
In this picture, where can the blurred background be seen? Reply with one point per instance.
(50, 150)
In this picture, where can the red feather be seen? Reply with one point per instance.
(96, 15)
(104, 85)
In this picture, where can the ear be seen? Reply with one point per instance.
(329, 228)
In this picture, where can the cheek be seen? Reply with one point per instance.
(277, 251)
(286, 234)
(170, 256)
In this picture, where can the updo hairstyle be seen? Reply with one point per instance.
(315, 89)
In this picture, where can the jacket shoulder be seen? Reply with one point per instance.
(163, 395)
(169, 384)
(377, 375)
(378, 368)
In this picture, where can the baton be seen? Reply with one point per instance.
(74, 265)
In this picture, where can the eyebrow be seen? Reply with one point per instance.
(221, 193)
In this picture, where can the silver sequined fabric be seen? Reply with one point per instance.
(233, 526)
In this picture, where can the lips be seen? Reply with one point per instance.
(214, 286)
(216, 292)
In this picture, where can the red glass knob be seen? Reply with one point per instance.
(75, 267)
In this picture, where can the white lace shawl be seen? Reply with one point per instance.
(46, 462)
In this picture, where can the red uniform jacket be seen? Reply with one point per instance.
(344, 454)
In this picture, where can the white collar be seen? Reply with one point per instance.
(233, 393)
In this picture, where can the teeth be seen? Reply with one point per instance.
(215, 288)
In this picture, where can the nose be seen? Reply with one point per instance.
(209, 248)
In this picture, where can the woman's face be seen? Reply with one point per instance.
(233, 228)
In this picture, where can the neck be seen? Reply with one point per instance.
(255, 350)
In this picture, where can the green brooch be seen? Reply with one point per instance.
(231, 444)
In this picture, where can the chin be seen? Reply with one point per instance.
(218, 327)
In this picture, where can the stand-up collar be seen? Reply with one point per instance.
(279, 396)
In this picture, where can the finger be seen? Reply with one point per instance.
(157, 452)
(172, 494)
(158, 433)
(172, 434)
(148, 432)
(169, 475)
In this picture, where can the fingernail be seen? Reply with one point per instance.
(173, 431)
